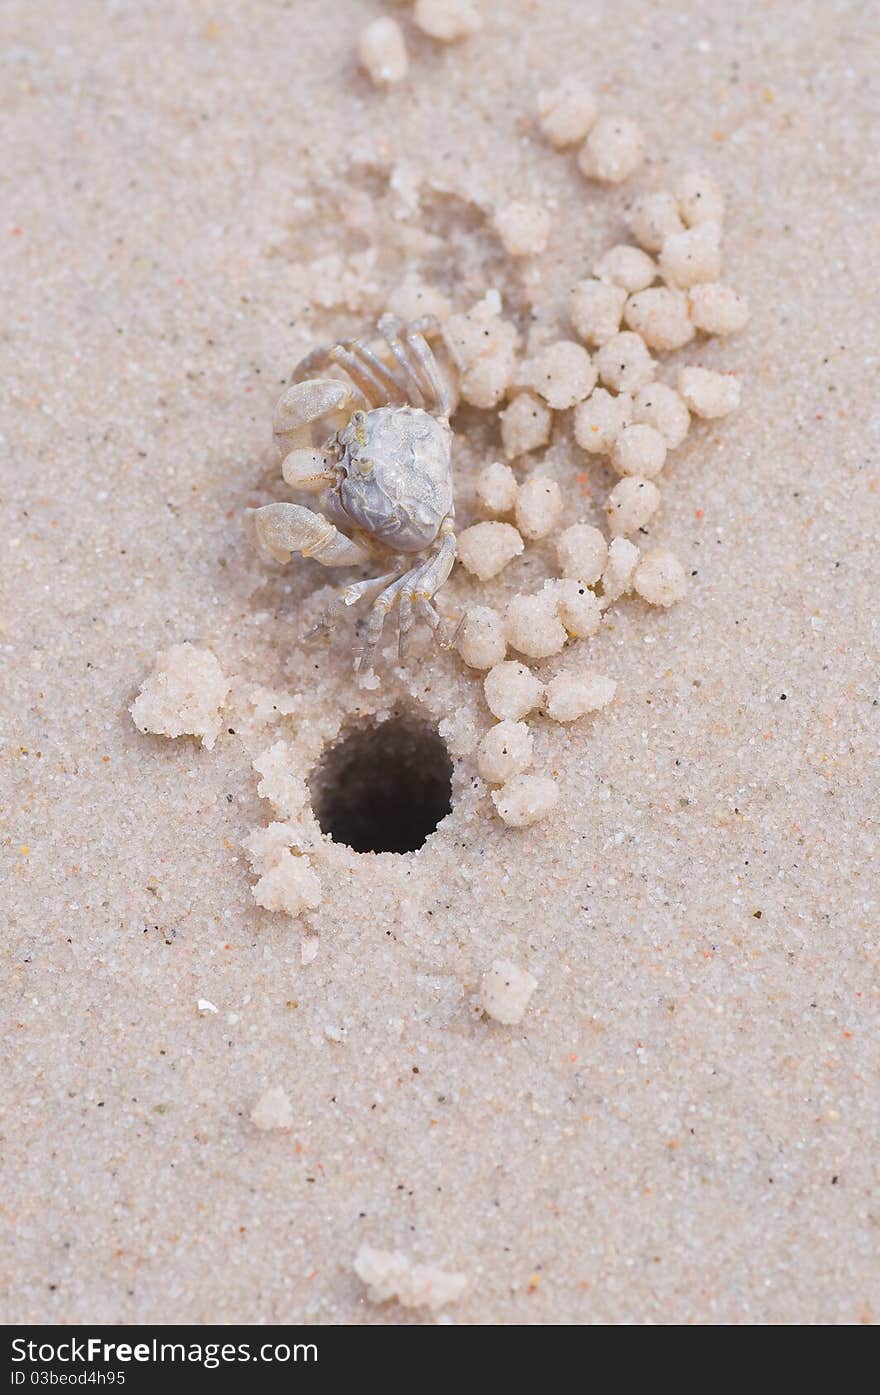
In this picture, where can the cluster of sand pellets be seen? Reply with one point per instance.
(381, 44)
(643, 299)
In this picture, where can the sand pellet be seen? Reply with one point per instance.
(626, 266)
(661, 316)
(474, 332)
(573, 695)
(666, 410)
(482, 346)
(496, 489)
(653, 218)
(525, 799)
(512, 691)
(639, 450)
(659, 578)
(599, 420)
(624, 363)
(563, 374)
(718, 309)
(631, 504)
(482, 642)
(381, 50)
(506, 991)
(271, 703)
(538, 507)
(613, 150)
(266, 846)
(412, 298)
(486, 548)
(505, 751)
(485, 381)
(391, 1274)
(291, 886)
(525, 425)
(709, 394)
(183, 696)
(281, 783)
(533, 626)
(617, 578)
(581, 550)
(272, 1110)
(595, 308)
(692, 256)
(578, 607)
(699, 198)
(523, 228)
(447, 20)
(566, 112)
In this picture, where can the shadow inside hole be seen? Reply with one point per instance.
(384, 786)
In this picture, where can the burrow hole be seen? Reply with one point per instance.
(384, 786)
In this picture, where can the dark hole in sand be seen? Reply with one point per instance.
(384, 786)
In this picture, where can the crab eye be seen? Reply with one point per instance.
(365, 467)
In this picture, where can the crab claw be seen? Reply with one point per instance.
(282, 529)
(304, 404)
(308, 470)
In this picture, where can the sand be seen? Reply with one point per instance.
(684, 1127)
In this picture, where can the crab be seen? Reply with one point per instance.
(384, 474)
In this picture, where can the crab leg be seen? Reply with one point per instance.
(427, 612)
(412, 593)
(381, 372)
(389, 327)
(362, 375)
(418, 362)
(423, 583)
(439, 396)
(405, 609)
(348, 596)
(440, 565)
(376, 622)
(282, 529)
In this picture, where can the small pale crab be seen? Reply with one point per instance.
(384, 473)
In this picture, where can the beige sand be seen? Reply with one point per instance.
(684, 1128)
